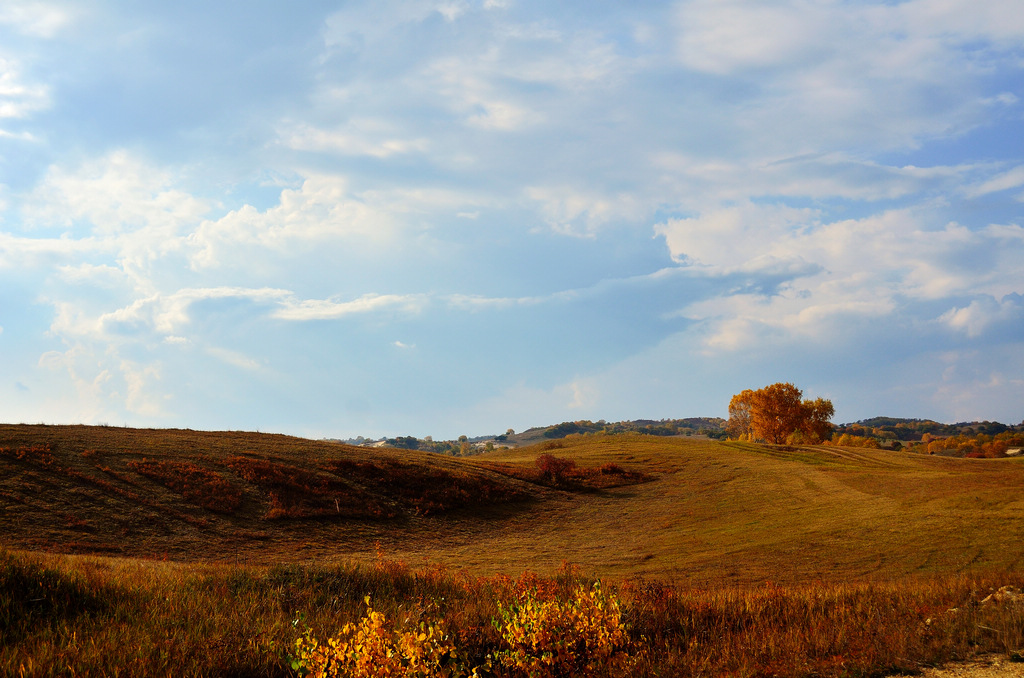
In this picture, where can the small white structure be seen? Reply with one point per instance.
(1013, 452)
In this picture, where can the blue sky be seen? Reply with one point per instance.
(444, 218)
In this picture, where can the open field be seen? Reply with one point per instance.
(184, 553)
(710, 512)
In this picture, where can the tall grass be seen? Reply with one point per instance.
(64, 615)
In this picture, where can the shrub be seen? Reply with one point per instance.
(555, 469)
(552, 638)
(371, 649)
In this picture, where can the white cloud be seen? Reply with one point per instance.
(468, 87)
(28, 253)
(90, 383)
(98, 275)
(734, 237)
(826, 176)
(17, 99)
(981, 314)
(327, 309)
(721, 36)
(582, 213)
(584, 395)
(113, 194)
(818, 275)
(141, 396)
(320, 211)
(964, 20)
(41, 19)
(979, 385)
(359, 138)
(496, 87)
(866, 75)
(1013, 178)
(372, 22)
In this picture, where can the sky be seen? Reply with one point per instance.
(332, 219)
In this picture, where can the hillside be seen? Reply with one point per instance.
(711, 511)
(219, 496)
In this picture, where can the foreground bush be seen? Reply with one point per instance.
(541, 636)
(548, 637)
(371, 649)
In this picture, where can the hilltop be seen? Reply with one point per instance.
(677, 507)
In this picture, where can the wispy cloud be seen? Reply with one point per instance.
(35, 18)
(326, 309)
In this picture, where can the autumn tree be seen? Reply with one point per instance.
(776, 413)
(817, 420)
(739, 414)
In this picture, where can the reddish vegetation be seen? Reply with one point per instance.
(196, 484)
(298, 493)
(563, 473)
(39, 454)
(423, 491)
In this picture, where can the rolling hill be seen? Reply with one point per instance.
(706, 511)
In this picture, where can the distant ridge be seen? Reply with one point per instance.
(883, 428)
(913, 429)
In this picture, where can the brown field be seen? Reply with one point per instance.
(730, 558)
(692, 511)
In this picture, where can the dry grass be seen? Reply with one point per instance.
(865, 546)
(709, 513)
(72, 615)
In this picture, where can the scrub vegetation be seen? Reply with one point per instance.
(87, 615)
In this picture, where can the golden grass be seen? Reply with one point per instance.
(74, 615)
(711, 512)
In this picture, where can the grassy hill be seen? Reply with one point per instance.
(709, 511)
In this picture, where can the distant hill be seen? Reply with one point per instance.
(887, 430)
(710, 427)
(913, 429)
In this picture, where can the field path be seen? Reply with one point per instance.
(989, 666)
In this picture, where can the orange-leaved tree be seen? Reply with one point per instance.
(776, 414)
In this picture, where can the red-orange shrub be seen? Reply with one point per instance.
(194, 483)
(555, 469)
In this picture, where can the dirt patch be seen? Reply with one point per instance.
(988, 666)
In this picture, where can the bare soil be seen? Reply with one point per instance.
(988, 666)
